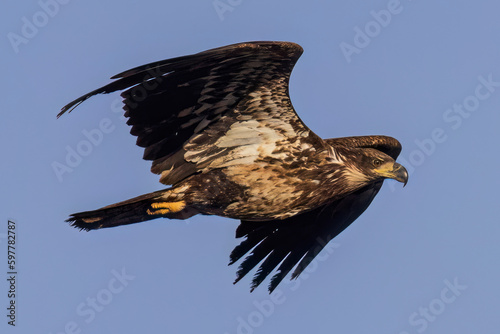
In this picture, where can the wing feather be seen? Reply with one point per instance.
(385, 144)
(211, 109)
(296, 241)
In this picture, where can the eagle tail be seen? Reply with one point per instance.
(163, 203)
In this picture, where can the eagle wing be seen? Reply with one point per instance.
(295, 241)
(217, 108)
(388, 145)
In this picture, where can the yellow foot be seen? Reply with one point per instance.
(163, 208)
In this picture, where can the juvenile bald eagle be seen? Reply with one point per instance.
(220, 128)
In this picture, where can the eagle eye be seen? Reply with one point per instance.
(377, 162)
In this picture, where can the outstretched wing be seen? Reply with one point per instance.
(216, 108)
(295, 241)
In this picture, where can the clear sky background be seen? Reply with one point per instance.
(423, 259)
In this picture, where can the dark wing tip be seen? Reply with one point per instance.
(270, 244)
(72, 105)
(294, 242)
(109, 88)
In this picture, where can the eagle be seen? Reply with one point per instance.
(221, 132)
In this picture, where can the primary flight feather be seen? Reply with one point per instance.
(220, 128)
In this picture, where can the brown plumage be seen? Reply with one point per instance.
(220, 128)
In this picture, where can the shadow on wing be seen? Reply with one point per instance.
(295, 242)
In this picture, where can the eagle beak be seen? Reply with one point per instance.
(397, 172)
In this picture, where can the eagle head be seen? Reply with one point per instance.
(369, 165)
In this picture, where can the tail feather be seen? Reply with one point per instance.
(161, 203)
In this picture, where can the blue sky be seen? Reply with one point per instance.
(422, 259)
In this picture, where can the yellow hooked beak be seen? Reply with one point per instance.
(393, 171)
